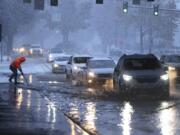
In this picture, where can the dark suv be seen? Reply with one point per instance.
(140, 74)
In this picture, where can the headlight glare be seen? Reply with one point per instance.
(127, 77)
(91, 74)
(55, 65)
(75, 68)
(171, 68)
(164, 77)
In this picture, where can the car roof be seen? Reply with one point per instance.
(139, 56)
(81, 56)
(100, 58)
(171, 55)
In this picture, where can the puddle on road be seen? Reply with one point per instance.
(51, 82)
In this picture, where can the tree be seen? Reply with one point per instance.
(14, 14)
(74, 17)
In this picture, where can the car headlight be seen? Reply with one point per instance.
(55, 65)
(50, 56)
(21, 50)
(75, 68)
(164, 77)
(171, 68)
(31, 51)
(91, 74)
(127, 77)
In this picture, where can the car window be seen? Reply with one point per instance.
(56, 51)
(80, 60)
(175, 59)
(141, 64)
(62, 59)
(101, 64)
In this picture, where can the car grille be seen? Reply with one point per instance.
(147, 79)
(104, 75)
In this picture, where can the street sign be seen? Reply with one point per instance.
(39, 4)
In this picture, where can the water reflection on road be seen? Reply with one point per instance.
(126, 114)
(167, 120)
(114, 117)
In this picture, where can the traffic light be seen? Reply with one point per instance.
(99, 1)
(156, 10)
(125, 6)
(136, 2)
(54, 2)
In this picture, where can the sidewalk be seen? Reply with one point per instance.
(26, 112)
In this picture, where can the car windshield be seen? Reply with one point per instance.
(141, 64)
(62, 59)
(81, 60)
(56, 51)
(175, 59)
(101, 64)
(36, 47)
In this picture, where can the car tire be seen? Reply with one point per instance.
(114, 85)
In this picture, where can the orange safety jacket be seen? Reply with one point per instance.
(17, 62)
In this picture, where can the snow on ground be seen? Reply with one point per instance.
(31, 66)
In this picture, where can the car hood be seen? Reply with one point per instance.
(55, 54)
(173, 64)
(80, 65)
(102, 70)
(61, 62)
(145, 73)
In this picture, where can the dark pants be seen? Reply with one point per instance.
(14, 74)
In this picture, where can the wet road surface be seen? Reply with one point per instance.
(100, 110)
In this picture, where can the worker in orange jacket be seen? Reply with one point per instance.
(14, 67)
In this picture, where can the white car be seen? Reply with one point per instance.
(54, 53)
(98, 71)
(75, 65)
(35, 51)
(59, 64)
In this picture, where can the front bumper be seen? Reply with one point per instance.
(98, 79)
(156, 87)
(59, 69)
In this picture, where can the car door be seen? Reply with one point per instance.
(118, 70)
(69, 66)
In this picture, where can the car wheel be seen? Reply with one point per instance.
(114, 85)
